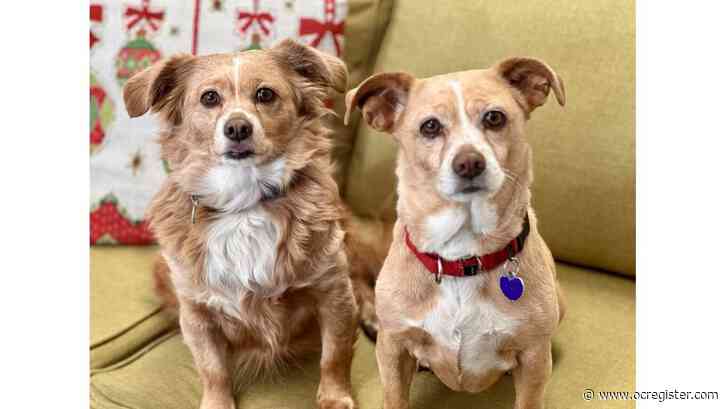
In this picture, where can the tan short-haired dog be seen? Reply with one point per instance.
(469, 287)
(249, 219)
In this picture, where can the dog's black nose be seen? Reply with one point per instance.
(468, 162)
(238, 129)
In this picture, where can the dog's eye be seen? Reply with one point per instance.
(210, 99)
(431, 128)
(265, 95)
(494, 119)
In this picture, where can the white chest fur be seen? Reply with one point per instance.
(468, 325)
(241, 256)
(455, 232)
(241, 253)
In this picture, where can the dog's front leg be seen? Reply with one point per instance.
(337, 315)
(531, 376)
(210, 350)
(397, 368)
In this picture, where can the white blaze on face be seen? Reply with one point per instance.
(236, 67)
(468, 133)
(234, 109)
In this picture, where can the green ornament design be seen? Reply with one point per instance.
(135, 57)
(101, 114)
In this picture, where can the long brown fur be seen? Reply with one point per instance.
(315, 306)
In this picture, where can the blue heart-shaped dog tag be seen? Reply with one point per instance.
(512, 287)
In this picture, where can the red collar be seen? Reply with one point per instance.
(473, 265)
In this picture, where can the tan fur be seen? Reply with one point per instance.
(314, 305)
(366, 243)
(163, 286)
(405, 291)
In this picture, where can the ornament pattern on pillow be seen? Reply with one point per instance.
(127, 36)
(254, 26)
(140, 23)
(96, 20)
(110, 224)
(102, 111)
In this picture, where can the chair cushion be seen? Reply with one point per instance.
(594, 348)
(125, 315)
(583, 154)
(364, 27)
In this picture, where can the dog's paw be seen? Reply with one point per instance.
(369, 322)
(340, 403)
(370, 328)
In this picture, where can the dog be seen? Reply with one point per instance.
(468, 288)
(367, 241)
(249, 220)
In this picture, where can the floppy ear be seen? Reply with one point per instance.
(533, 78)
(159, 88)
(381, 98)
(318, 67)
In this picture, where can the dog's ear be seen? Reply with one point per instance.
(381, 98)
(324, 69)
(159, 88)
(533, 78)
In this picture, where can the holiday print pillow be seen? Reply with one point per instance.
(126, 37)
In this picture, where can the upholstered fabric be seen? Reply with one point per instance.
(364, 27)
(125, 315)
(594, 348)
(584, 153)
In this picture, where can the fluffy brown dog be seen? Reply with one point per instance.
(449, 295)
(249, 219)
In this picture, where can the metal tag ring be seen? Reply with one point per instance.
(439, 272)
(516, 264)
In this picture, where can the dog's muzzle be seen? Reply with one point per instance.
(238, 131)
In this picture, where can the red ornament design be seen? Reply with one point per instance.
(144, 15)
(135, 56)
(101, 114)
(321, 28)
(97, 131)
(109, 224)
(261, 20)
(96, 17)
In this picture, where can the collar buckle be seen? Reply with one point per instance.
(504, 258)
(473, 269)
